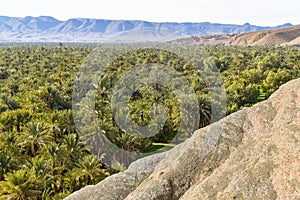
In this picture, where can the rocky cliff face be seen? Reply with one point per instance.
(251, 154)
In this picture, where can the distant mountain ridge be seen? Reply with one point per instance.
(49, 29)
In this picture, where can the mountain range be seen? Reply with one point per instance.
(49, 29)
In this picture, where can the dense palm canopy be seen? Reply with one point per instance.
(42, 153)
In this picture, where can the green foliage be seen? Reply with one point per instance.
(19, 184)
(147, 99)
(40, 148)
(42, 155)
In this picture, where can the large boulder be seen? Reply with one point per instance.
(251, 154)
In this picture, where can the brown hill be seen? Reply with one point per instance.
(295, 42)
(251, 154)
(266, 38)
(281, 36)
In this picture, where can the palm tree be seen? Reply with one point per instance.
(18, 185)
(67, 121)
(41, 170)
(56, 154)
(40, 166)
(88, 171)
(55, 131)
(204, 110)
(5, 164)
(14, 119)
(20, 117)
(58, 159)
(74, 146)
(35, 136)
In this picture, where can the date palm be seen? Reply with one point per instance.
(18, 185)
(74, 146)
(204, 110)
(40, 166)
(57, 156)
(5, 164)
(88, 171)
(34, 136)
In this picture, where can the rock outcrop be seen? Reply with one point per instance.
(251, 154)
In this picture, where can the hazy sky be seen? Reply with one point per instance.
(259, 12)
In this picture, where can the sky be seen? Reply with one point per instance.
(257, 12)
